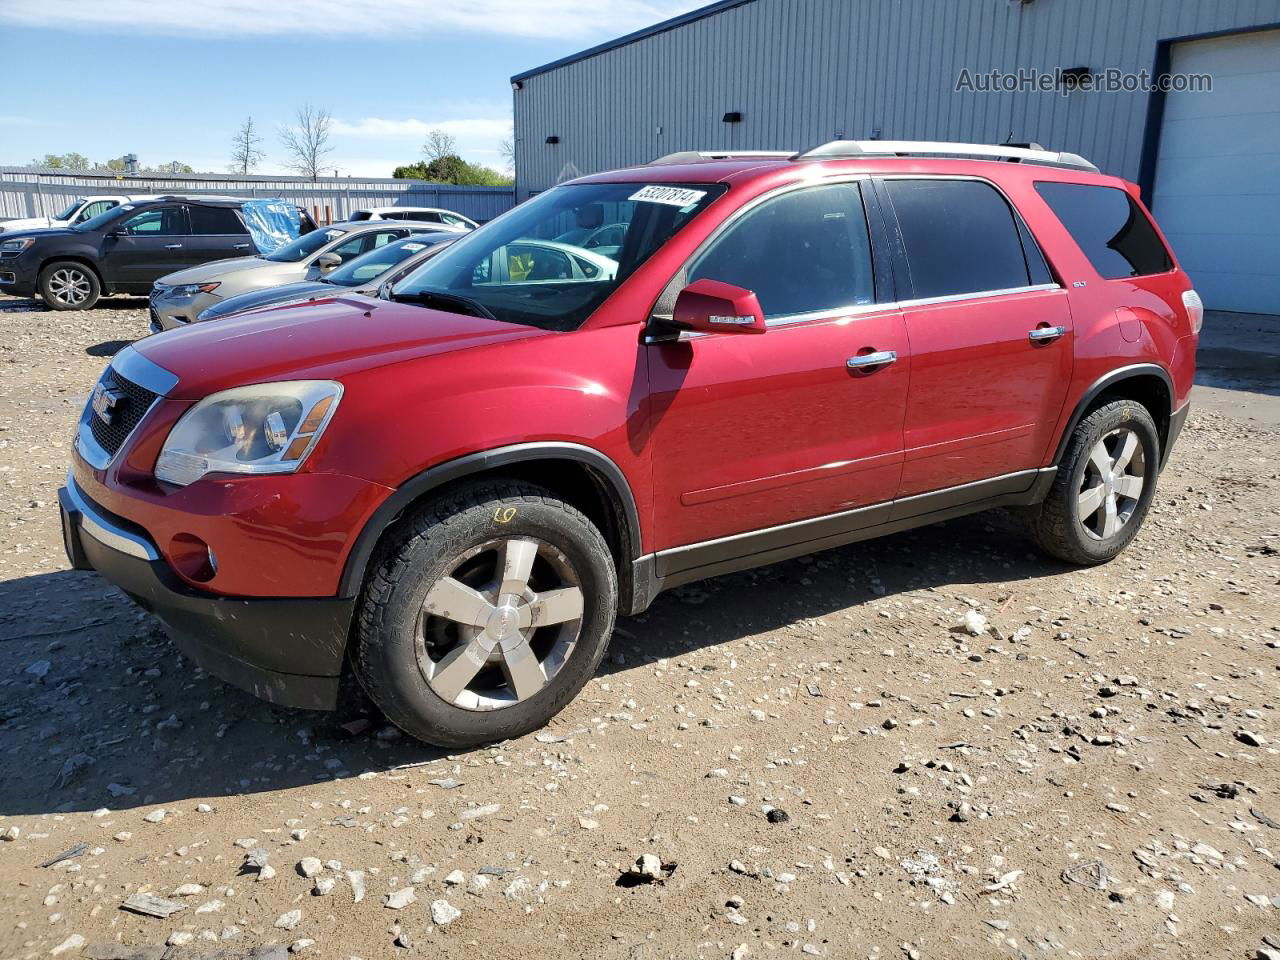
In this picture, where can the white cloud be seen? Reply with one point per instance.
(553, 19)
(411, 129)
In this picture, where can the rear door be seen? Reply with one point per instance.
(753, 432)
(142, 247)
(990, 332)
(216, 233)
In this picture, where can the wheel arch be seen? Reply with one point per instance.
(79, 258)
(580, 474)
(1146, 383)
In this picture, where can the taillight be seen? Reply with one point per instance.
(1195, 309)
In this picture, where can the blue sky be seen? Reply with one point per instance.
(174, 79)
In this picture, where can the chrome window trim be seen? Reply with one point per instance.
(104, 531)
(979, 294)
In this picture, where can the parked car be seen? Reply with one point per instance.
(177, 298)
(124, 249)
(365, 275)
(78, 210)
(420, 214)
(455, 491)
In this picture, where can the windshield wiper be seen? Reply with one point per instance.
(430, 298)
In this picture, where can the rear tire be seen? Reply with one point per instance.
(484, 614)
(68, 285)
(1103, 487)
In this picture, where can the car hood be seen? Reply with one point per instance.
(25, 223)
(44, 233)
(320, 339)
(288, 293)
(216, 269)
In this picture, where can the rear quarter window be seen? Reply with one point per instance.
(1109, 228)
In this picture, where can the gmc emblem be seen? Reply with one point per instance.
(104, 402)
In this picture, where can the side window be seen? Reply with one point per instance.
(383, 237)
(214, 220)
(449, 218)
(960, 237)
(95, 208)
(156, 222)
(804, 251)
(527, 263)
(1110, 228)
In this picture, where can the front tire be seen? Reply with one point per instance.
(1103, 487)
(485, 614)
(68, 285)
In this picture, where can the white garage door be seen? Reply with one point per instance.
(1217, 188)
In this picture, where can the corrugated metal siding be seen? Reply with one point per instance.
(24, 194)
(806, 71)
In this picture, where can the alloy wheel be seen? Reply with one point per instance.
(499, 626)
(69, 286)
(1112, 484)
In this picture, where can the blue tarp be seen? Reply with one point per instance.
(271, 223)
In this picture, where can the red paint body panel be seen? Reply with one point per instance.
(715, 436)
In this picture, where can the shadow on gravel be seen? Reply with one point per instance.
(98, 709)
(107, 348)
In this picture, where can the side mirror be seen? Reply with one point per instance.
(328, 261)
(711, 306)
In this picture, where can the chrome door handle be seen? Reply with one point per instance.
(881, 358)
(1043, 334)
(241, 246)
(173, 246)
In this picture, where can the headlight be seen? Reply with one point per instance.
(17, 245)
(264, 428)
(189, 289)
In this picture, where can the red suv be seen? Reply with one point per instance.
(455, 487)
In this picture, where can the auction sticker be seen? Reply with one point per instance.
(672, 196)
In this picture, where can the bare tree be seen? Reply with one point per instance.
(245, 154)
(507, 150)
(307, 141)
(439, 144)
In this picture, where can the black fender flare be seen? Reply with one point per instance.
(1105, 382)
(474, 463)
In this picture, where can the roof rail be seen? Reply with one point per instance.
(694, 156)
(986, 151)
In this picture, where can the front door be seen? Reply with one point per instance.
(991, 337)
(751, 432)
(145, 246)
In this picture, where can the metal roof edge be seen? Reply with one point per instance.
(710, 10)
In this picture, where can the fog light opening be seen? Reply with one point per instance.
(193, 558)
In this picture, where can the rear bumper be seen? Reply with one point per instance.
(287, 651)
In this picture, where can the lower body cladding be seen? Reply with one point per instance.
(288, 651)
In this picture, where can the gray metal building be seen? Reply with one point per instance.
(783, 74)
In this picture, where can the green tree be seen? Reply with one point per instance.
(63, 161)
(451, 168)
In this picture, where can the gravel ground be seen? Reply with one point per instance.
(819, 757)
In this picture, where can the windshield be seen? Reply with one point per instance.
(69, 211)
(305, 245)
(517, 271)
(369, 266)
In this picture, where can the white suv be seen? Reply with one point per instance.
(421, 214)
(77, 211)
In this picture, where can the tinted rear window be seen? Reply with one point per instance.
(214, 220)
(960, 237)
(1110, 228)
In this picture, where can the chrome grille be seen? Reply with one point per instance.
(134, 401)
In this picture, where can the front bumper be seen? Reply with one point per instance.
(287, 651)
(18, 275)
